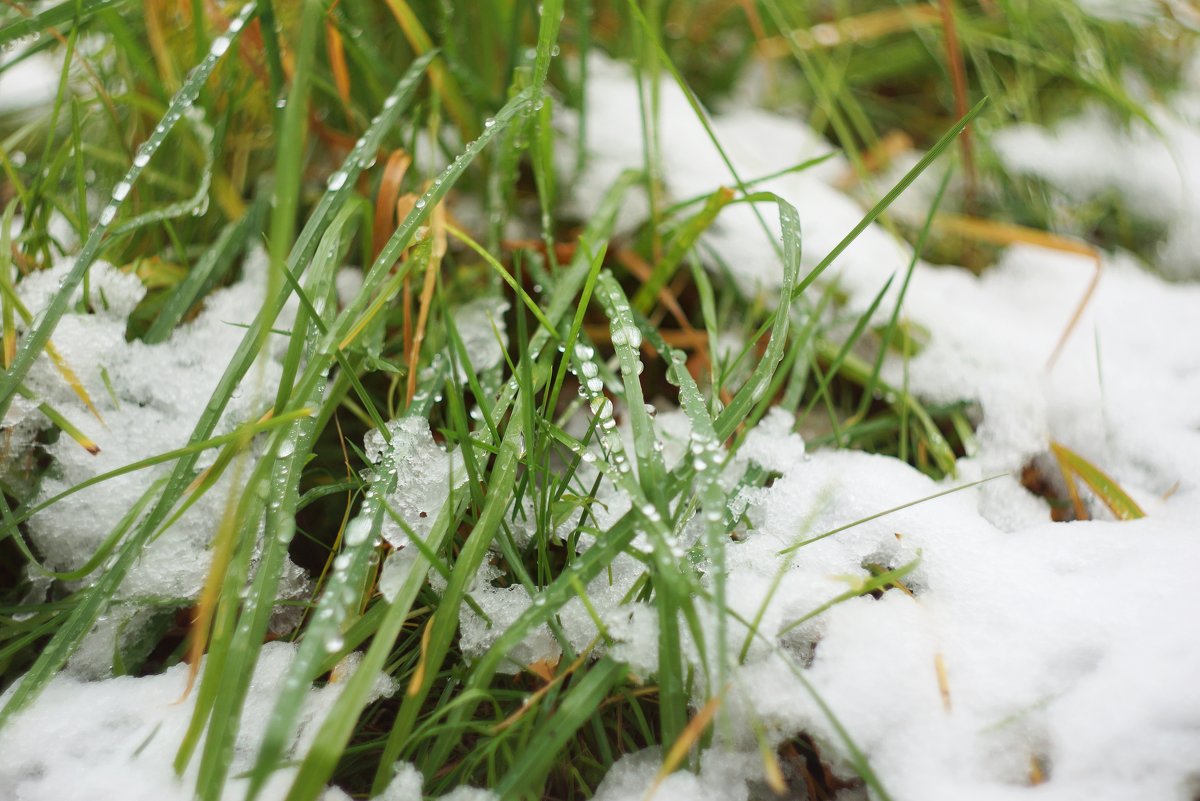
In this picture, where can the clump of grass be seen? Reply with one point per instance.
(280, 123)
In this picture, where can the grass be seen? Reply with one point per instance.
(291, 115)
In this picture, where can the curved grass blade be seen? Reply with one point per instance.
(198, 202)
(1075, 466)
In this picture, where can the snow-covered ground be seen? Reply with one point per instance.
(1068, 646)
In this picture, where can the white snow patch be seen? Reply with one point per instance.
(481, 327)
(425, 475)
(117, 738)
(149, 397)
(1064, 643)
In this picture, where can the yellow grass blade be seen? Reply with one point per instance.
(443, 82)
(1108, 491)
(858, 29)
(418, 676)
(943, 679)
(687, 739)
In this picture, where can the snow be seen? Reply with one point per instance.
(425, 475)
(1157, 176)
(28, 80)
(1065, 644)
(149, 397)
(722, 778)
(480, 325)
(117, 738)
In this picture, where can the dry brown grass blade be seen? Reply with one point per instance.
(552, 681)
(641, 270)
(337, 63)
(690, 735)
(210, 594)
(943, 679)
(418, 676)
(563, 251)
(386, 211)
(857, 29)
(958, 78)
(157, 39)
(999, 233)
(439, 76)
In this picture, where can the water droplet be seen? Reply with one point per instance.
(420, 204)
(357, 531)
(141, 159)
(337, 180)
(334, 644)
(489, 122)
(220, 45)
(286, 448)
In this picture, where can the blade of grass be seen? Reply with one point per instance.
(1075, 466)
